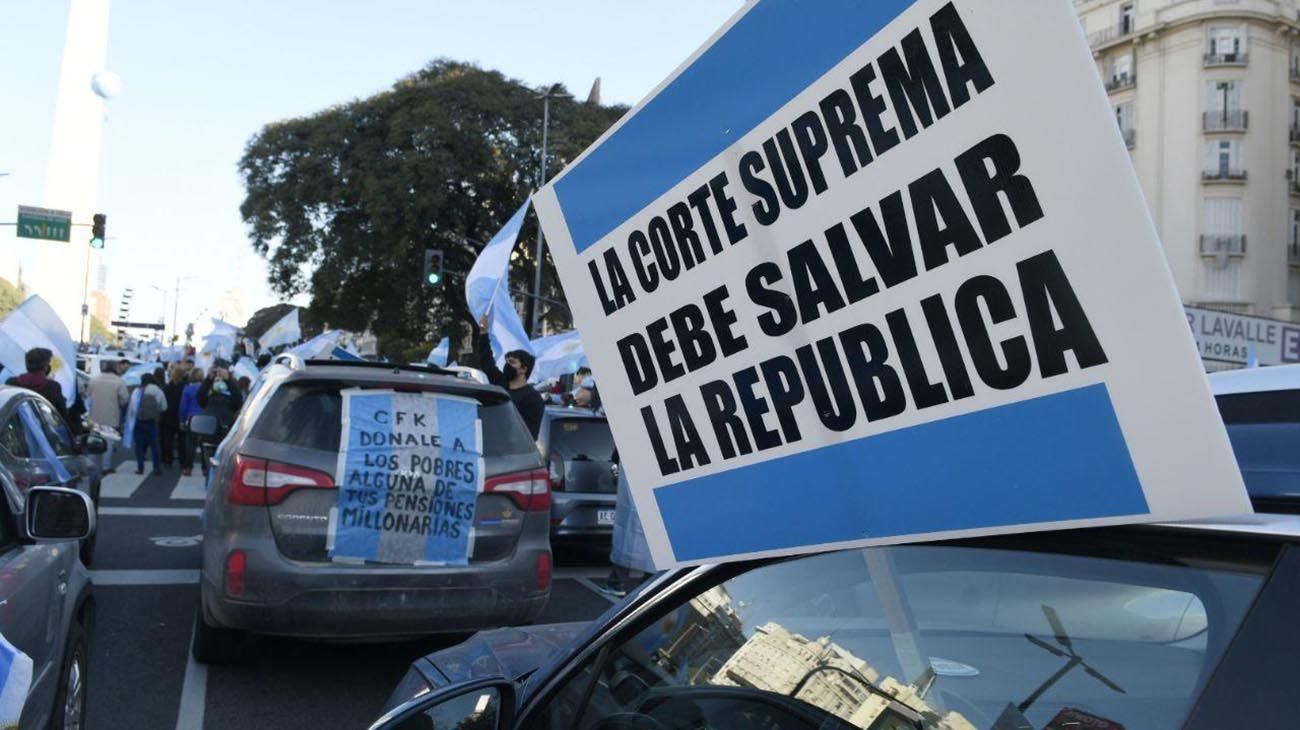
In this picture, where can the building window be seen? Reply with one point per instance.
(1294, 173)
(1227, 46)
(1222, 245)
(1119, 71)
(1127, 18)
(1124, 117)
(1223, 160)
(1293, 240)
(1223, 110)
(1295, 62)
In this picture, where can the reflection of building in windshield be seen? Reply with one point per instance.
(827, 676)
(707, 631)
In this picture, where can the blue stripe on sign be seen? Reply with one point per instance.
(1057, 457)
(771, 54)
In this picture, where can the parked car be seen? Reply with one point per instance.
(1261, 408)
(580, 456)
(266, 567)
(47, 609)
(23, 457)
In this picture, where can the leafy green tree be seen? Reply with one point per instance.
(343, 203)
(10, 297)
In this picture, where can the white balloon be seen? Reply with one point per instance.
(106, 84)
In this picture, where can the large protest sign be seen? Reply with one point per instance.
(867, 272)
(410, 471)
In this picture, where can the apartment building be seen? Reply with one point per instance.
(1207, 96)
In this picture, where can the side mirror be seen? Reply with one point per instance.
(55, 514)
(204, 425)
(92, 443)
(480, 704)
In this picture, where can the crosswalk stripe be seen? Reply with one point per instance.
(120, 486)
(190, 487)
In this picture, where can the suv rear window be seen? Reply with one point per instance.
(582, 437)
(309, 414)
(1264, 428)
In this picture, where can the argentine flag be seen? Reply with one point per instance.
(438, 355)
(318, 347)
(15, 680)
(558, 355)
(34, 324)
(284, 332)
(491, 270)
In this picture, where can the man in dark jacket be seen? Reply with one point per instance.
(37, 378)
(514, 378)
(219, 396)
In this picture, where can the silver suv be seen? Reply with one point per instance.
(266, 565)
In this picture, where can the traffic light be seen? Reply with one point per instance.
(433, 266)
(97, 235)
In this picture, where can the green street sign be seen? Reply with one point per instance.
(44, 223)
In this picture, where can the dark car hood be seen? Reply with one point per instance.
(510, 653)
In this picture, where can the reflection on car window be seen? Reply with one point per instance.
(942, 637)
(13, 438)
(55, 430)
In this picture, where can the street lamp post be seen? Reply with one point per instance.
(176, 303)
(553, 91)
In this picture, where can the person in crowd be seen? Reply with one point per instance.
(245, 385)
(153, 403)
(171, 424)
(630, 551)
(514, 378)
(219, 396)
(37, 378)
(108, 398)
(189, 407)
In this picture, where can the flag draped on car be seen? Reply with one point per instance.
(34, 324)
(15, 680)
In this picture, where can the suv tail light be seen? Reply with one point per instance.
(530, 490)
(262, 482)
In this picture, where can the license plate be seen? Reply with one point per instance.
(604, 516)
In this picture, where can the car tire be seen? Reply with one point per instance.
(70, 699)
(215, 645)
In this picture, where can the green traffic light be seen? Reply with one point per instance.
(97, 242)
(435, 277)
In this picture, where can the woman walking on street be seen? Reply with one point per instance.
(152, 404)
(189, 407)
(171, 437)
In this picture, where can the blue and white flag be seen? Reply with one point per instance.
(558, 355)
(505, 330)
(34, 324)
(422, 511)
(132, 375)
(491, 270)
(245, 368)
(222, 327)
(344, 353)
(219, 346)
(15, 681)
(132, 413)
(438, 355)
(38, 442)
(284, 332)
(319, 346)
(175, 353)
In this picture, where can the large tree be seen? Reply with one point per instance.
(343, 203)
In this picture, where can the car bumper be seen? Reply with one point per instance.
(576, 517)
(330, 603)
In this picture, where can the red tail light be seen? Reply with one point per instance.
(530, 490)
(236, 565)
(543, 571)
(262, 482)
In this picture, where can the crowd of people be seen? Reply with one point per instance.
(154, 417)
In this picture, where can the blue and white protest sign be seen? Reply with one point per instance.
(34, 324)
(410, 470)
(15, 681)
(870, 272)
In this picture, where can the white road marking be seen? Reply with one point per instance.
(190, 487)
(119, 485)
(194, 691)
(586, 583)
(150, 512)
(177, 541)
(144, 577)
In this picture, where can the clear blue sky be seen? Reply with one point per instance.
(199, 78)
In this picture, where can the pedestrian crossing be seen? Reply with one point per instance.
(125, 485)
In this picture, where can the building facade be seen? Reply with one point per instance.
(1207, 96)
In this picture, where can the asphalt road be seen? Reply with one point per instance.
(146, 585)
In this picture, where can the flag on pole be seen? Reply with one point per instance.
(558, 355)
(505, 330)
(319, 346)
(34, 324)
(491, 270)
(284, 332)
(438, 355)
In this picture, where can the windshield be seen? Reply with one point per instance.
(934, 637)
(1264, 428)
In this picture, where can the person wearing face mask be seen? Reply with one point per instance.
(219, 396)
(514, 378)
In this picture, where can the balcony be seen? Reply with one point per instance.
(1293, 185)
(1295, 134)
(1226, 59)
(1130, 137)
(1105, 36)
(1231, 120)
(1224, 174)
(1120, 82)
(1221, 245)
(1293, 253)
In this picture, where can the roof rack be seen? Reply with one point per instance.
(391, 366)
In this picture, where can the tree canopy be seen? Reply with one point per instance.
(343, 203)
